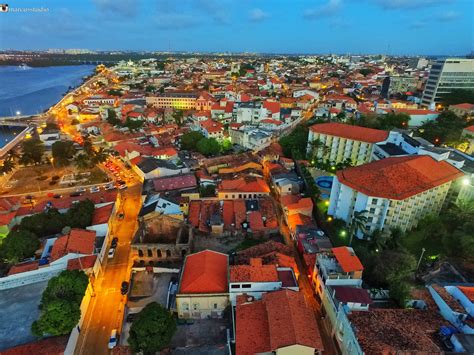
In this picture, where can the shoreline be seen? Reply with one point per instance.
(83, 80)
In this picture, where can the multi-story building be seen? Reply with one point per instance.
(339, 267)
(394, 192)
(445, 76)
(177, 100)
(339, 142)
(397, 84)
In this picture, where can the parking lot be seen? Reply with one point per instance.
(18, 310)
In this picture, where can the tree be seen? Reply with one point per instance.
(32, 151)
(178, 117)
(82, 161)
(458, 96)
(7, 166)
(152, 329)
(112, 117)
(80, 215)
(18, 245)
(399, 292)
(366, 71)
(446, 129)
(358, 223)
(134, 125)
(393, 266)
(294, 144)
(99, 156)
(44, 223)
(60, 303)
(376, 241)
(114, 92)
(63, 152)
(150, 88)
(190, 140)
(207, 191)
(208, 146)
(394, 239)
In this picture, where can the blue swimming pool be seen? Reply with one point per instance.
(324, 197)
(324, 182)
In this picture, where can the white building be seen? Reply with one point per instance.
(394, 192)
(445, 76)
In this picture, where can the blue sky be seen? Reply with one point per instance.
(290, 26)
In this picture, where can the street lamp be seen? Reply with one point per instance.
(18, 113)
(421, 257)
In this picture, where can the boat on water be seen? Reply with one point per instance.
(23, 66)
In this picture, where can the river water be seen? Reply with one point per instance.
(32, 90)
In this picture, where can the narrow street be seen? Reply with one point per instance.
(105, 312)
(305, 286)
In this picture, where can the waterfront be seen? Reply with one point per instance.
(33, 90)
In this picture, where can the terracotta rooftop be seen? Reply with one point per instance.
(24, 267)
(392, 331)
(357, 133)
(280, 319)
(465, 106)
(347, 259)
(49, 346)
(205, 272)
(398, 178)
(468, 292)
(175, 182)
(102, 214)
(82, 263)
(347, 294)
(255, 272)
(244, 185)
(78, 241)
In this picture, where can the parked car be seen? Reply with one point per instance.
(75, 194)
(122, 187)
(81, 189)
(114, 243)
(124, 288)
(57, 196)
(109, 186)
(113, 339)
(94, 189)
(111, 253)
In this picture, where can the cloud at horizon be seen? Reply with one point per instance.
(300, 26)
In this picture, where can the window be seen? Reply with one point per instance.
(372, 210)
(185, 306)
(149, 253)
(246, 286)
(374, 201)
(168, 253)
(215, 305)
(158, 253)
(140, 253)
(235, 286)
(195, 306)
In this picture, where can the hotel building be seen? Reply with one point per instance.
(177, 100)
(395, 192)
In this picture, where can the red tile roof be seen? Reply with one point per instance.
(175, 182)
(244, 185)
(212, 126)
(280, 319)
(82, 263)
(398, 178)
(465, 106)
(348, 294)
(205, 272)
(414, 112)
(102, 214)
(6, 218)
(273, 107)
(357, 133)
(468, 292)
(255, 272)
(19, 268)
(347, 259)
(470, 128)
(50, 346)
(79, 241)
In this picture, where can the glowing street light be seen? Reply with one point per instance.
(343, 233)
(18, 113)
(466, 181)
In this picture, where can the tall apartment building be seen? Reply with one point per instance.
(177, 100)
(339, 142)
(445, 76)
(395, 192)
(397, 84)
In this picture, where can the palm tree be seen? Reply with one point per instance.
(359, 220)
(317, 146)
(8, 165)
(394, 240)
(376, 240)
(82, 161)
(99, 156)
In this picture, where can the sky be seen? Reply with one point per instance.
(404, 27)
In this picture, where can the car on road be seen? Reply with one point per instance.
(114, 243)
(124, 288)
(109, 186)
(75, 194)
(122, 187)
(111, 253)
(81, 189)
(113, 340)
(94, 189)
(57, 196)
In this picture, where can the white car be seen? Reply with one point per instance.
(113, 339)
(94, 189)
(122, 186)
(81, 189)
(109, 186)
(111, 253)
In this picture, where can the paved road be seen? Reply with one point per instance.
(305, 286)
(105, 311)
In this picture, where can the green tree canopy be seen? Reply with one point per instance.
(32, 151)
(366, 71)
(446, 129)
(208, 146)
(60, 304)
(133, 125)
(80, 215)
(458, 96)
(294, 144)
(190, 140)
(18, 245)
(63, 152)
(112, 117)
(152, 329)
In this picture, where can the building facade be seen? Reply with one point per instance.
(445, 76)
(177, 100)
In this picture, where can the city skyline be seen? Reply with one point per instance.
(401, 27)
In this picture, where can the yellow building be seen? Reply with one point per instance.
(338, 142)
(203, 287)
(177, 100)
